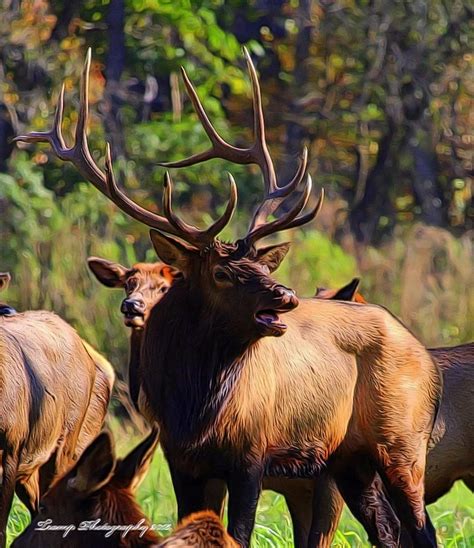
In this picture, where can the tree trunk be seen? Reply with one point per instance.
(113, 71)
(375, 202)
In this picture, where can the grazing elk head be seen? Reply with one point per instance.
(144, 285)
(230, 281)
(98, 487)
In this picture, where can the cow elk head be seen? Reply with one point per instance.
(144, 285)
(98, 487)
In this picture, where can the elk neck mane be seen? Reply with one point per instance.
(192, 360)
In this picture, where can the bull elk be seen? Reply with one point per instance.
(54, 393)
(144, 285)
(101, 489)
(239, 393)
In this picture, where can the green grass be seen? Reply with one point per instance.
(453, 515)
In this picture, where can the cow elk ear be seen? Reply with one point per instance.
(348, 292)
(272, 255)
(170, 274)
(108, 273)
(172, 251)
(130, 471)
(4, 280)
(95, 467)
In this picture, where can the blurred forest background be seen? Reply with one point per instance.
(380, 91)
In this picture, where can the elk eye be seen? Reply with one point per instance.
(221, 276)
(163, 290)
(131, 285)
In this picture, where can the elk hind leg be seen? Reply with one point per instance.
(405, 486)
(364, 494)
(10, 461)
(28, 492)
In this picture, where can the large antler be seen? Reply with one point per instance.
(79, 155)
(257, 153)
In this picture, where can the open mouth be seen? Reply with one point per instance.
(134, 320)
(270, 321)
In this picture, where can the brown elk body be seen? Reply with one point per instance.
(100, 489)
(237, 392)
(451, 459)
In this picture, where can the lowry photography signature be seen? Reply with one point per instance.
(96, 525)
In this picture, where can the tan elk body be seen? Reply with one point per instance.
(54, 393)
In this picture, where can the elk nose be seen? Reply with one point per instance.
(132, 306)
(287, 297)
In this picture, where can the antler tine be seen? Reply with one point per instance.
(193, 234)
(54, 136)
(215, 228)
(259, 148)
(127, 205)
(307, 217)
(219, 147)
(282, 222)
(79, 155)
(178, 224)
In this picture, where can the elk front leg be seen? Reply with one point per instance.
(327, 507)
(244, 487)
(190, 493)
(10, 470)
(298, 495)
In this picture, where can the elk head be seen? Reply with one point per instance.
(98, 487)
(144, 285)
(230, 280)
(4, 280)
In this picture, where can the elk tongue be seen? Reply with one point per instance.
(268, 318)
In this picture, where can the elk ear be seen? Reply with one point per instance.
(130, 471)
(172, 251)
(272, 255)
(170, 274)
(348, 292)
(95, 467)
(108, 273)
(4, 280)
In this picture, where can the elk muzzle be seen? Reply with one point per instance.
(268, 317)
(134, 312)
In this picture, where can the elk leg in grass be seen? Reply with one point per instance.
(190, 493)
(326, 509)
(10, 461)
(28, 491)
(366, 500)
(406, 489)
(298, 494)
(245, 486)
(214, 497)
